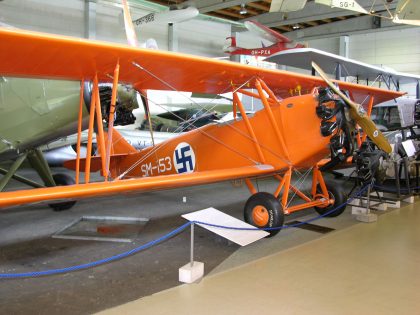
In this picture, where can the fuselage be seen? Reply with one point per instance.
(230, 145)
(35, 112)
(262, 51)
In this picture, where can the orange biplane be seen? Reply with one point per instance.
(301, 123)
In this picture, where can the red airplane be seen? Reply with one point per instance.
(280, 41)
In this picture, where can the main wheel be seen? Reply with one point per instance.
(335, 192)
(62, 180)
(263, 210)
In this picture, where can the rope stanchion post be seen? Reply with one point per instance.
(98, 262)
(192, 245)
(368, 200)
(364, 214)
(397, 179)
(194, 270)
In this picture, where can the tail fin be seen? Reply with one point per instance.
(232, 41)
(230, 45)
(119, 149)
(119, 144)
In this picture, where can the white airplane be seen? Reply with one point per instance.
(406, 12)
(345, 67)
(172, 15)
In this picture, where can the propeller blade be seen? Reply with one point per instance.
(358, 113)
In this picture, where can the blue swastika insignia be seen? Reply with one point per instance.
(184, 158)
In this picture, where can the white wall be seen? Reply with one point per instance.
(331, 45)
(399, 49)
(58, 16)
(204, 38)
(66, 17)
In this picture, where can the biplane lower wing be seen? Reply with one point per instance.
(41, 55)
(60, 193)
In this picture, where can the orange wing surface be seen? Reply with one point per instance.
(33, 54)
(122, 186)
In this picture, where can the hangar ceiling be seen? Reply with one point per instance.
(312, 15)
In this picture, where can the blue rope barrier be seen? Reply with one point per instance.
(156, 242)
(361, 191)
(98, 262)
(384, 188)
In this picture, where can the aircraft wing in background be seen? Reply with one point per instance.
(303, 57)
(287, 5)
(407, 12)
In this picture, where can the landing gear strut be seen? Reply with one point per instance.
(335, 193)
(62, 180)
(40, 165)
(265, 210)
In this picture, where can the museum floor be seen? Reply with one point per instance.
(335, 266)
(363, 269)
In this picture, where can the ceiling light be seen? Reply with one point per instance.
(243, 9)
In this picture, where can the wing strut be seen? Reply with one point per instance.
(262, 87)
(146, 107)
(100, 139)
(90, 131)
(111, 119)
(95, 107)
(79, 130)
(237, 102)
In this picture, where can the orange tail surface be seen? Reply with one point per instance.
(119, 148)
(119, 144)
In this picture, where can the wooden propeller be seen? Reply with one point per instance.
(358, 114)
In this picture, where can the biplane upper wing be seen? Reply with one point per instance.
(32, 54)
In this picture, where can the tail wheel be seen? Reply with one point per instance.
(263, 210)
(62, 180)
(335, 192)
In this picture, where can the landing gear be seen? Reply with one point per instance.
(336, 193)
(62, 180)
(263, 210)
(40, 165)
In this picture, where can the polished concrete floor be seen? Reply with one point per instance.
(26, 245)
(368, 268)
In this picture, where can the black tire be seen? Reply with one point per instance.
(271, 209)
(62, 180)
(335, 192)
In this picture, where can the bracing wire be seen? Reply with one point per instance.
(190, 123)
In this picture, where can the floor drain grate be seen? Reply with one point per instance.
(311, 227)
(103, 228)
